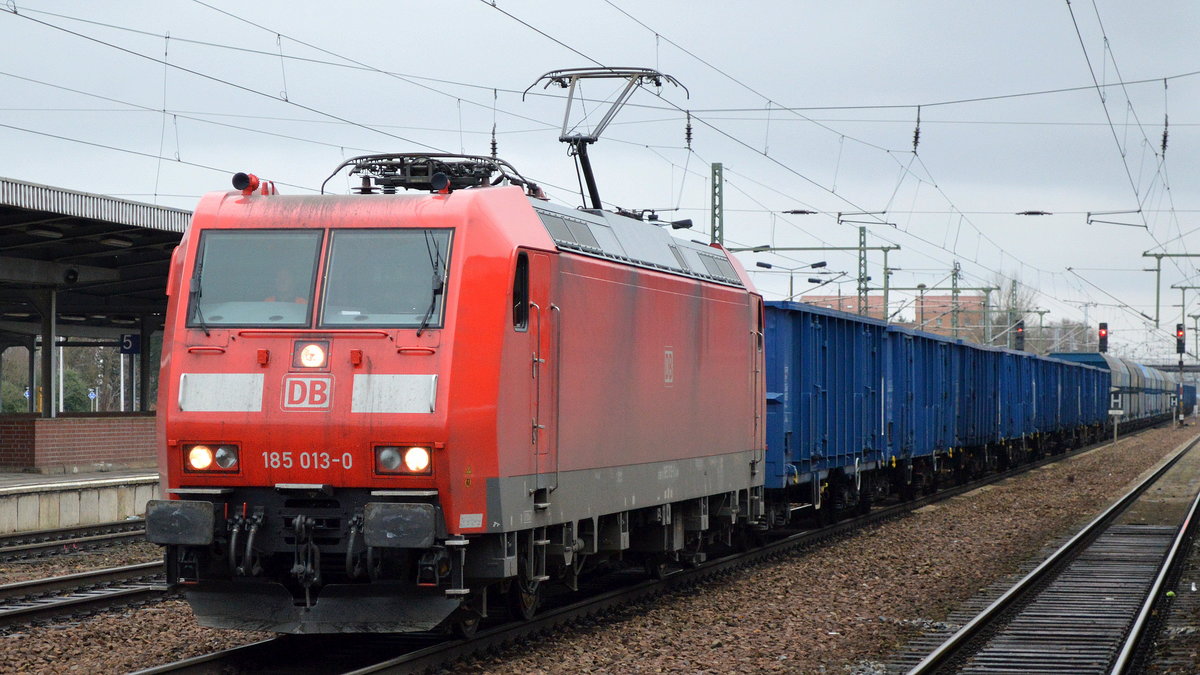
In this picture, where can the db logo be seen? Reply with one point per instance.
(307, 392)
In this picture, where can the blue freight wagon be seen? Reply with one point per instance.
(858, 408)
(825, 395)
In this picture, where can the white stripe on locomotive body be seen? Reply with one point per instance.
(221, 392)
(243, 392)
(394, 394)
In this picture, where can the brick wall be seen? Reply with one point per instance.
(73, 444)
(16, 441)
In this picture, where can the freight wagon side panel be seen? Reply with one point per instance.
(824, 391)
(1047, 402)
(1008, 395)
(925, 404)
(974, 421)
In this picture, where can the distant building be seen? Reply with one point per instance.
(932, 313)
(846, 303)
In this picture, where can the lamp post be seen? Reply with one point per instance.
(921, 306)
(862, 249)
(792, 273)
(1196, 318)
(821, 282)
(1042, 324)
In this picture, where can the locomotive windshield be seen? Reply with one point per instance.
(266, 278)
(254, 278)
(386, 278)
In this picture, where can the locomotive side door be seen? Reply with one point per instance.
(545, 320)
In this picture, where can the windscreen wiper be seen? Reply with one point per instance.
(438, 286)
(194, 297)
(439, 283)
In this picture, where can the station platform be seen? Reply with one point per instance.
(30, 501)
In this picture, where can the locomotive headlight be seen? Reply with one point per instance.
(410, 460)
(416, 460)
(226, 456)
(199, 457)
(387, 459)
(310, 354)
(206, 457)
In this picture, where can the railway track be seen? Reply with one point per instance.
(76, 594)
(1085, 609)
(416, 653)
(24, 545)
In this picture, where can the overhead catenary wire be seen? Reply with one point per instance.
(1161, 164)
(177, 114)
(361, 125)
(742, 109)
(771, 105)
(986, 253)
(234, 85)
(140, 154)
(346, 63)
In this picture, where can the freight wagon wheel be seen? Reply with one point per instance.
(825, 515)
(865, 497)
(657, 566)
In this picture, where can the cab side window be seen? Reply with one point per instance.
(520, 293)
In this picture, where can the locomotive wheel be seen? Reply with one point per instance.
(524, 596)
(464, 627)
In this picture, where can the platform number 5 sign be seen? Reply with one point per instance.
(131, 343)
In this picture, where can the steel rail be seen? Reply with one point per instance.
(42, 587)
(940, 656)
(39, 599)
(210, 662)
(46, 542)
(1137, 632)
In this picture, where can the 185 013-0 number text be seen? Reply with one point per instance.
(306, 460)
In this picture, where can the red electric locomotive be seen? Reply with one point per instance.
(383, 411)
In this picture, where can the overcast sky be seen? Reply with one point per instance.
(808, 106)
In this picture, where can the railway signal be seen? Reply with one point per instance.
(1020, 339)
(1103, 338)
(1180, 339)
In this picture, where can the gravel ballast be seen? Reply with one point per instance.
(837, 608)
(848, 605)
(80, 561)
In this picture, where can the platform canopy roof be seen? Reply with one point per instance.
(107, 259)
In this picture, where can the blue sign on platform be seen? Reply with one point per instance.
(131, 343)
